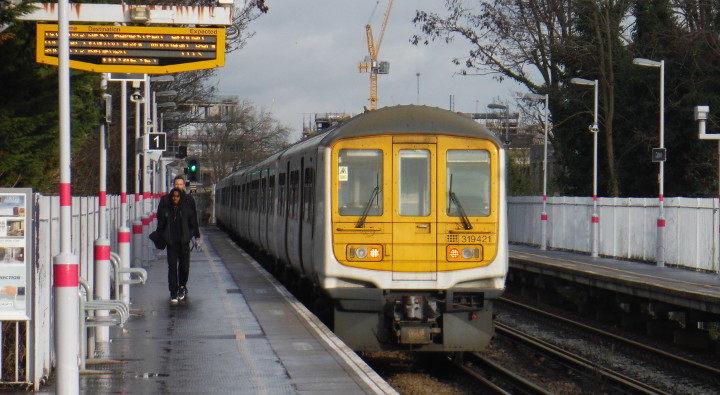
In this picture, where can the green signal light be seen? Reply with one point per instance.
(193, 167)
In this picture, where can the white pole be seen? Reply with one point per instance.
(138, 170)
(137, 223)
(124, 231)
(661, 177)
(65, 265)
(543, 215)
(595, 218)
(145, 174)
(101, 279)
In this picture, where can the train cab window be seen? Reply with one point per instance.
(468, 178)
(414, 185)
(360, 181)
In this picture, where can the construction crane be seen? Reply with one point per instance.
(371, 64)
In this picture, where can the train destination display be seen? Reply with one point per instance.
(134, 49)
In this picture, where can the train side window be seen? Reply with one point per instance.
(414, 185)
(294, 194)
(281, 194)
(308, 194)
(468, 177)
(271, 195)
(359, 173)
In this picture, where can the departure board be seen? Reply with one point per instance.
(135, 49)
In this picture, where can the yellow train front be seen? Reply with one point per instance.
(400, 221)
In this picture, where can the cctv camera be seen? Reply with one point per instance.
(137, 97)
(593, 128)
(701, 112)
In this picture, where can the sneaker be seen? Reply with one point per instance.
(182, 292)
(173, 300)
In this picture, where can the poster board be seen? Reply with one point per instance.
(16, 213)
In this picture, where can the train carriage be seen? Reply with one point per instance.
(397, 216)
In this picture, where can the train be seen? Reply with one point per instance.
(394, 221)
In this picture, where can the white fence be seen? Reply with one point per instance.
(628, 227)
(46, 232)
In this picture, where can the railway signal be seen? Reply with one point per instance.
(192, 170)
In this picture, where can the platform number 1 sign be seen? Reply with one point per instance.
(157, 141)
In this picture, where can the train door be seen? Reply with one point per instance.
(414, 211)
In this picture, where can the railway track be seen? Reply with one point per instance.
(682, 366)
(606, 378)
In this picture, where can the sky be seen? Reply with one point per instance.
(304, 55)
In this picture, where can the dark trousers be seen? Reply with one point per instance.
(178, 273)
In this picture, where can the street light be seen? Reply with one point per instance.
(594, 130)
(496, 106)
(661, 176)
(543, 214)
(162, 78)
(166, 93)
(701, 115)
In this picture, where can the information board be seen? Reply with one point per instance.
(134, 49)
(15, 253)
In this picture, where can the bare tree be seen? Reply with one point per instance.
(239, 138)
(531, 42)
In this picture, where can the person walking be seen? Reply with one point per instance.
(177, 223)
(186, 198)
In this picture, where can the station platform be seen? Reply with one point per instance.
(694, 290)
(237, 332)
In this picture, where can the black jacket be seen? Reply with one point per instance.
(177, 224)
(185, 200)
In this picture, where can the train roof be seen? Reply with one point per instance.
(407, 119)
(402, 119)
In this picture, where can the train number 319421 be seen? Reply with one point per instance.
(476, 239)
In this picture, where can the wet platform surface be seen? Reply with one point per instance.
(237, 332)
(674, 285)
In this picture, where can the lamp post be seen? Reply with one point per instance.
(496, 106)
(701, 115)
(594, 130)
(661, 174)
(543, 214)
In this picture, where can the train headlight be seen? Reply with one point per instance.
(467, 253)
(463, 253)
(365, 253)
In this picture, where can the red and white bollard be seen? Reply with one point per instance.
(137, 243)
(123, 239)
(101, 288)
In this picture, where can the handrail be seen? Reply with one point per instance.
(141, 273)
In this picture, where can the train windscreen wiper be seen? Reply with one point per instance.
(463, 217)
(366, 210)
